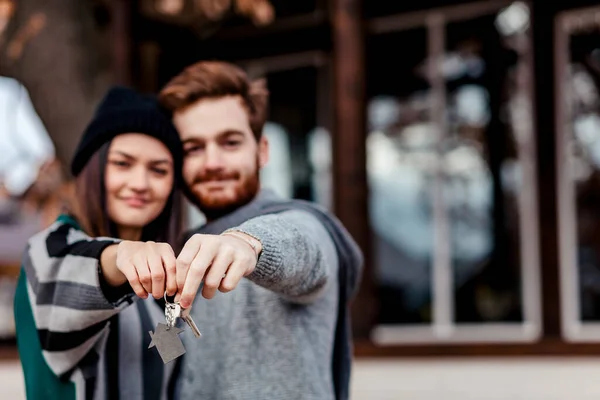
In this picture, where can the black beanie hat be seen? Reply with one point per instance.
(124, 110)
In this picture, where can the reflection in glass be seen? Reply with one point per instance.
(488, 114)
(584, 159)
(320, 156)
(277, 174)
(400, 154)
(483, 113)
(299, 149)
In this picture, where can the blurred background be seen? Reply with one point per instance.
(459, 142)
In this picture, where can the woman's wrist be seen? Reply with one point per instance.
(108, 267)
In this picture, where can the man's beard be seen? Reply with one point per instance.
(214, 207)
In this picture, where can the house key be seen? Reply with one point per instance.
(185, 315)
(174, 311)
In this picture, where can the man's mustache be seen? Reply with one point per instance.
(216, 176)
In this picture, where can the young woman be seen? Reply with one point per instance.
(81, 334)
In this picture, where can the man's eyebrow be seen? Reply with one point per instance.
(191, 140)
(220, 135)
(230, 132)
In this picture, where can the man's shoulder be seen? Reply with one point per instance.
(283, 205)
(265, 205)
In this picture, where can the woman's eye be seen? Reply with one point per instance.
(120, 163)
(160, 171)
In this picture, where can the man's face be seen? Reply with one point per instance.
(222, 157)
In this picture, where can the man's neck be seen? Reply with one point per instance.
(214, 215)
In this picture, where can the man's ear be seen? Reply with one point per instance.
(263, 151)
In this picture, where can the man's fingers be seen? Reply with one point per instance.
(196, 273)
(235, 273)
(215, 273)
(185, 258)
(169, 263)
(177, 298)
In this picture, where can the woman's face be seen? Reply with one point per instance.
(139, 179)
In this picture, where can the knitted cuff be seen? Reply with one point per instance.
(270, 258)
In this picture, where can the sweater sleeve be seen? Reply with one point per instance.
(70, 307)
(298, 258)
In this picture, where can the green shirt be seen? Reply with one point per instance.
(40, 381)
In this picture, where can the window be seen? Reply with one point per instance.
(578, 155)
(300, 149)
(451, 170)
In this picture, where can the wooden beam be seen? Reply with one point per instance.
(121, 35)
(349, 139)
(417, 19)
(285, 62)
(544, 97)
(278, 26)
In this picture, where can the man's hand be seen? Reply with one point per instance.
(148, 266)
(220, 260)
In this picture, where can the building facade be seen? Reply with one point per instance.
(458, 141)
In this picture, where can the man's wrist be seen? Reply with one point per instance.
(252, 241)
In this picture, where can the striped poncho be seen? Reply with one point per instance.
(76, 339)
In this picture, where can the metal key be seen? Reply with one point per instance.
(185, 315)
(172, 312)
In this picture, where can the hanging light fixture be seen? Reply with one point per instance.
(213, 10)
(7, 8)
(169, 7)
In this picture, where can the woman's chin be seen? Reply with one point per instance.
(132, 221)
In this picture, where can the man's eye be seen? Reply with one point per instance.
(192, 149)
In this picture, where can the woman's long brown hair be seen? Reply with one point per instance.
(89, 206)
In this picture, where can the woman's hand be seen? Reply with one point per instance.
(149, 267)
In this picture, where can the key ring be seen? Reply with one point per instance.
(167, 301)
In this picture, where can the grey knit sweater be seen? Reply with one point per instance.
(271, 337)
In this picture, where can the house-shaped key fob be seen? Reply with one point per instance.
(167, 342)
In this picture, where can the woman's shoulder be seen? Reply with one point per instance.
(64, 225)
(68, 219)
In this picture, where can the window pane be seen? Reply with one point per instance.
(485, 71)
(487, 178)
(300, 151)
(584, 164)
(401, 147)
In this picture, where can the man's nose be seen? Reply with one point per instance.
(213, 158)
